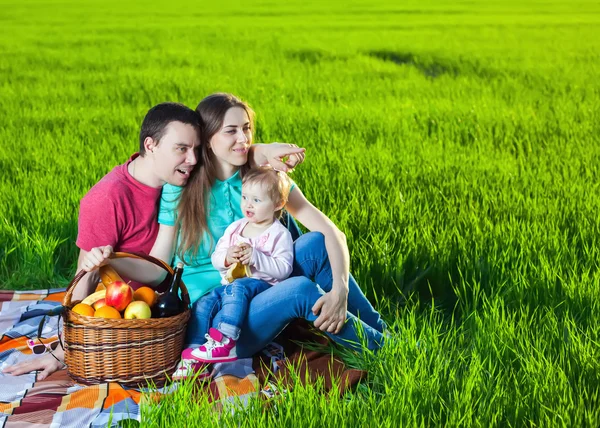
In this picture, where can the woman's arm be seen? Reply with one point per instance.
(333, 305)
(138, 270)
(282, 157)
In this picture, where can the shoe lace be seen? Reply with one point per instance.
(184, 366)
(210, 342)
(186, 363)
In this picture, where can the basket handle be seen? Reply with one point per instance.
(121, 255)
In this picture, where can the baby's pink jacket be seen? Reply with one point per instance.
(273, 254)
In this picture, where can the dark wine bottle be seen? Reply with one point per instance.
(170, 304)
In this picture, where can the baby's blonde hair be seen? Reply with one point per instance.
(277, 184)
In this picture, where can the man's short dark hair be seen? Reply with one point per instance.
(159, 116)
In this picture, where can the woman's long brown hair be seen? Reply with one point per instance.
(193, 207)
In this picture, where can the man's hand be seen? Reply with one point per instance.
(46, 363)
(331, 308)
(281, 156)
(96, 257)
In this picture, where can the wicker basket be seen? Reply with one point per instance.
(131, 352)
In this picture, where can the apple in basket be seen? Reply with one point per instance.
(118, 295)
(99, 303)
(137, 310)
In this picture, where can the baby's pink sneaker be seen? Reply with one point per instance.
(189, 366)
(217, 349)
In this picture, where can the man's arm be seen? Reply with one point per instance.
(88, 283)
(47, 363)
(135, 269)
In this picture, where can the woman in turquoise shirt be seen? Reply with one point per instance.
(211, 201)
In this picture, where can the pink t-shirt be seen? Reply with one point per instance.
(272, 255)
(119, 211)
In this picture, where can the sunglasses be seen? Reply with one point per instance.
(40, 348)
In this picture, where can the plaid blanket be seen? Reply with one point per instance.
(59, 401)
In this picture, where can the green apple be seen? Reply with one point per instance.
(137, 310)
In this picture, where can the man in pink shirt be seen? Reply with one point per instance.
(121, 209)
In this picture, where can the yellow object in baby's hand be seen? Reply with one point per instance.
(237, 270)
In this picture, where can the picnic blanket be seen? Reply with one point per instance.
(59, 401)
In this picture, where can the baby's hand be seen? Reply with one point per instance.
(96, 257)
(246, 254)
(233, 255)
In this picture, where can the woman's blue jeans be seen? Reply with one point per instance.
(273, 309)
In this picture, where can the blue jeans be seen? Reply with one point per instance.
(311, 260)
(231, 302)
(272, 310)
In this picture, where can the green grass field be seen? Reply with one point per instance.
(456, 143)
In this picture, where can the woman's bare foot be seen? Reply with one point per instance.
(46, 363)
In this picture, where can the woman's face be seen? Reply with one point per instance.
(231, 143)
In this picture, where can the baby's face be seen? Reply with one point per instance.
(257, 206)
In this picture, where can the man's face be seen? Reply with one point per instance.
(176, 154)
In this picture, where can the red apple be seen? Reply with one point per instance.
(118, 295)
(137, 309)
(99, 303)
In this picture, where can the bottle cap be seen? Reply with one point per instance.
(180, 265)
